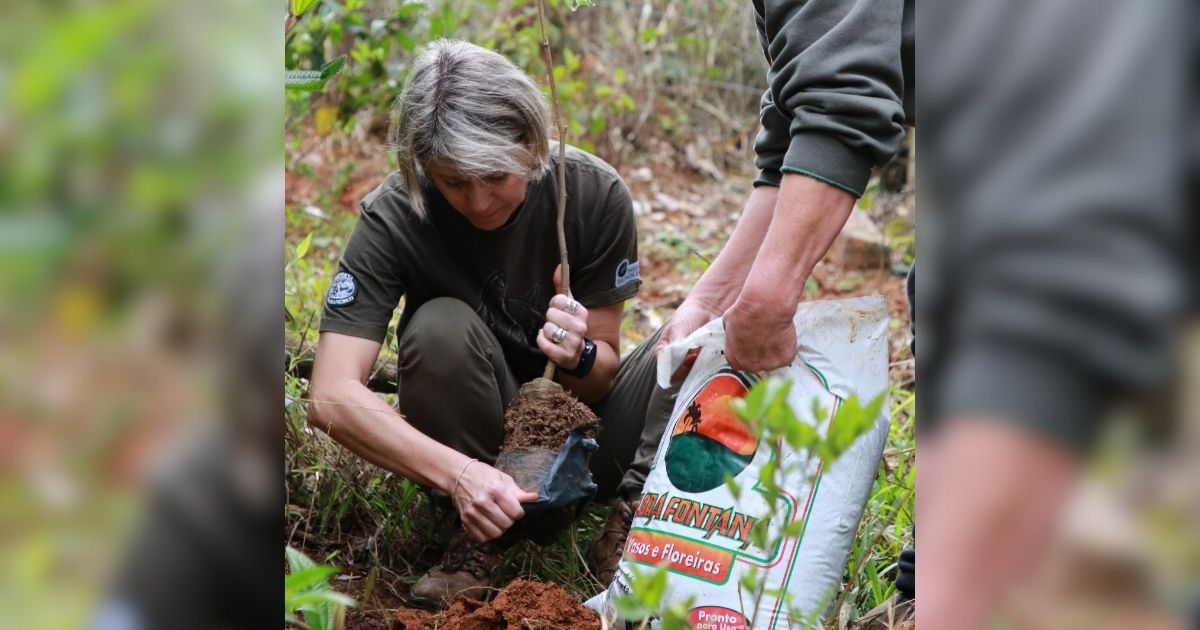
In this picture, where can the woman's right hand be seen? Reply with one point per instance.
(489, 501)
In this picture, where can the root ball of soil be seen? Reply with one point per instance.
(542, 415)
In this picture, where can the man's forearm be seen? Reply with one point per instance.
(990, 495)
(720, 285)
(807, 217)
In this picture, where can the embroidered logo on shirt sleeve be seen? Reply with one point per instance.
(343, 290)
(627, 272)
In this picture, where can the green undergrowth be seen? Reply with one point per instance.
(345, 512)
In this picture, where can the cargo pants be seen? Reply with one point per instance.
(455, 385)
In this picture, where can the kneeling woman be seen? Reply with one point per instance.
(465, 232)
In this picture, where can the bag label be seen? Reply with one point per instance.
(709, 519)
(716, 618)
(684, 556)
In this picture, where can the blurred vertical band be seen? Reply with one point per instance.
(1059, 276)
(140, 330)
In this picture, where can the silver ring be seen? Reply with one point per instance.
(558, 335)
(571, 306)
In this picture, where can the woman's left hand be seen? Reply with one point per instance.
(566, 321)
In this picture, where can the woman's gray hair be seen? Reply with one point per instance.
(472, 109)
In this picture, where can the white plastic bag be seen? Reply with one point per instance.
(688, 517)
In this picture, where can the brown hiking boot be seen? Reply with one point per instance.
(464, 571)
(605, 552)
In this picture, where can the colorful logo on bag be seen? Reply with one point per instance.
(709, 441)
(342, 291)
(627, 272)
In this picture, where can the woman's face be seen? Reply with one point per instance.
(487, 203)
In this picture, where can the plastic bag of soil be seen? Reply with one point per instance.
(548, 441)
(559, 478)
(690, 520)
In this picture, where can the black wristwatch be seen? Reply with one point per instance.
(586, 360)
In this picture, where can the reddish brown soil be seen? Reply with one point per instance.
(541, 417)
(413, 619)
(523, 604)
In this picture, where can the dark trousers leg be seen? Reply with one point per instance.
(454, 381)
(634, 416)
(455, 386)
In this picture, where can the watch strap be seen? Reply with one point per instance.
(586, 360)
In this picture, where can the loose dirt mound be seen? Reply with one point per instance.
(543, 419)
(413, 619)
(523, 604)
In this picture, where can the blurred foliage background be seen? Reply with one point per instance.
(624, 68)
(138, 141)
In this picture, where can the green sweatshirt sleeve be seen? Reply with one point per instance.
(833, 108)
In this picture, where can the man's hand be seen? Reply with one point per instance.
(488, 500)
(688, 318)
(808, 215)
(759, 336)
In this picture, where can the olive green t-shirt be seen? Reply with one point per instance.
(506, 275)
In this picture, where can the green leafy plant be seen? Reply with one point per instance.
(588, 103)
(644, 602)
(887, 524)
(766, 412)
(313, 80)
(378, 40)
(300, 7)
(308, 80)
(306, 592)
